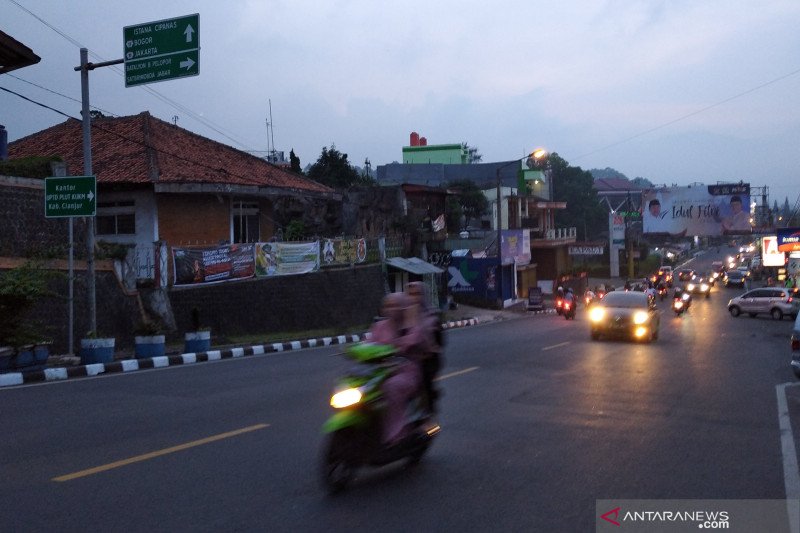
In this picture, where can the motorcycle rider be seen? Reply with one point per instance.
(569, 298)
(430, 322)
(559, 299)
(412, 345)
(589, 297)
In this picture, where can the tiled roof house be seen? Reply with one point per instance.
(159, 182)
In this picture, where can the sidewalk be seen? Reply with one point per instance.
(66, 367)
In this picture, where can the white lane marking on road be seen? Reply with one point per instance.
(458, 373)
(791, 476)
(555, 346)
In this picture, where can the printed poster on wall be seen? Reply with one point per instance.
(213, 264)
(344, 251)
(286, 258)
(703, 210)
(516, 246)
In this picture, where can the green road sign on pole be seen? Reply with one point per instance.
(74, 196)
(162, 50)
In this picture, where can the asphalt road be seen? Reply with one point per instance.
(538, 423)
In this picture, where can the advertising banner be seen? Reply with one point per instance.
(704, 210)
(344, 251)
(286, 258)
(516, 246)
(617, 223)
(209, 265)
(789, 239)
(770, 255)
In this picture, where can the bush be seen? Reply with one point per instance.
(20, 288)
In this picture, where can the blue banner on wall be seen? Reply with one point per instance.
(478, 278)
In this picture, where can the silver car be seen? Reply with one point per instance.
(775, 301)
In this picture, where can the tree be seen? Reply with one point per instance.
(644, 183)
(606, 173)
(472, 153)
(574, 186)
(294, 162)
(334, 170)
(470, 198)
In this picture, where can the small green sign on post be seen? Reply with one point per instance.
(162, 50)
(74, 196)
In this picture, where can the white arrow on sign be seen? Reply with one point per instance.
(187, 64)
(90, 196)
(188, 32)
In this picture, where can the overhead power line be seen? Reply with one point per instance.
(199, 118)
(689, 115)
(94, 125)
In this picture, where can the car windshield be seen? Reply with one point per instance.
(735, 274)
(625, 299)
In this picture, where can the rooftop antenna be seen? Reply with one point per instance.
(271, 155)
(175, 119)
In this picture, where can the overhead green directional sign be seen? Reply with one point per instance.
(74, 196)
(162, 50)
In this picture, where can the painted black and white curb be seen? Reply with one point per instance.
(132, 365)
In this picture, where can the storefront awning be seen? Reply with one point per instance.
(414, 265)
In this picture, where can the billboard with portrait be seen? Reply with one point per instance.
(702, 210)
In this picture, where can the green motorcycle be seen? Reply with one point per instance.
(354, 432)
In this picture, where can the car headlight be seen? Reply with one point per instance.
(704, 287)
(346, 398)
(690, 286)
(597, 314)
(640, 317)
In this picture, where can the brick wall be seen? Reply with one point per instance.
(185, 220)
(193, 219)
(25, 232)
(331, 298)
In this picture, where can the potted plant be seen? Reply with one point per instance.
(20, 288)
(199, 339)
(149, 341)
(97, 349)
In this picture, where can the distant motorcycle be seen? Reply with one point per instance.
(662, 293)
(569, 310)
(678, 306)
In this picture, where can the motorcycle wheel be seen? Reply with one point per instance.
(338, 462)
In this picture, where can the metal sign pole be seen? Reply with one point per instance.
(87, 168)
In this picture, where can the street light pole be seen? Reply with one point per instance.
(537, 155)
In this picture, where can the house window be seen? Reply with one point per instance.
(116, 218)
(245, 222)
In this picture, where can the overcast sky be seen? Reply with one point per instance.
(676, 91)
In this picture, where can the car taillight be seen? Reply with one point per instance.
(795, 344)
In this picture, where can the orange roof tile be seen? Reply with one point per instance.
(145, 149)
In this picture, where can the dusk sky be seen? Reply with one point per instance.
(673, 91)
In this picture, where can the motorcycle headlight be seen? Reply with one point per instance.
(345, 398)
(704, 287)
(597, 314)
(640, 317)
(678, 304)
